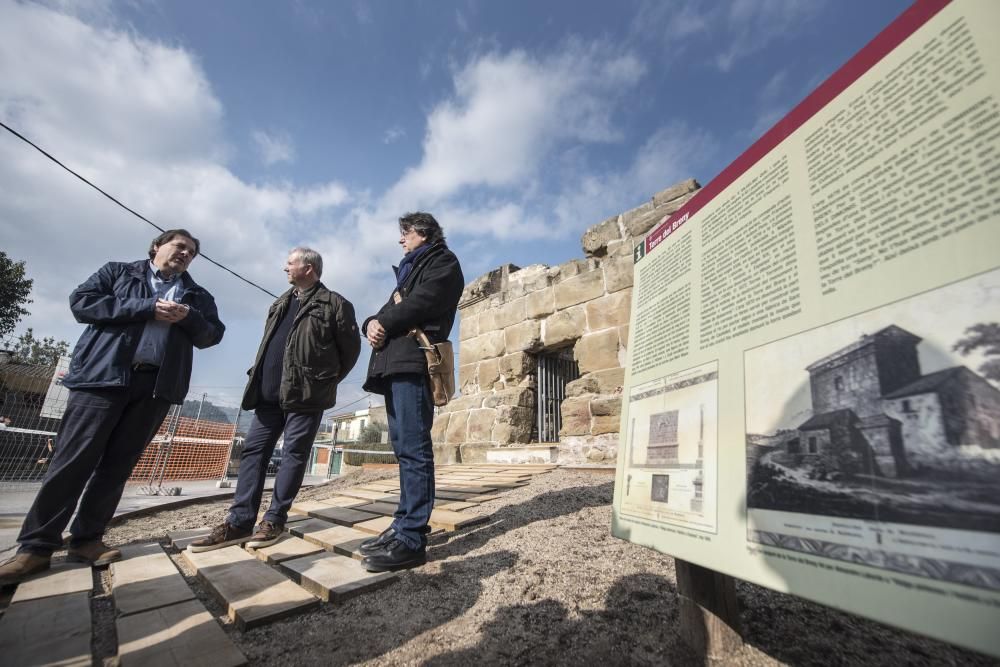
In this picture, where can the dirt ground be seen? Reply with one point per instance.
(543, 582)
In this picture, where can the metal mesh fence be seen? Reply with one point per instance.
(197, 440)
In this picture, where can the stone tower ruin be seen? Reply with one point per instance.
(514, 322)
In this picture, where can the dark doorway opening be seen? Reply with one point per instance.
(556, 369)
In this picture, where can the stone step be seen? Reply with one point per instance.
(449, 520)
(333, 577)
(60, 580)
(181, 635)
(145, 579)
(344, 516)
(47, 631)
(253, 593)
(285, 548)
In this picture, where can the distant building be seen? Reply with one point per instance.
(872, 407)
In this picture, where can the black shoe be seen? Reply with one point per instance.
(375, 544)
(395, 556)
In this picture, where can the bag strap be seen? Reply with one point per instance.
(416, 332)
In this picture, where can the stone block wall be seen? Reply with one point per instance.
(510, 315)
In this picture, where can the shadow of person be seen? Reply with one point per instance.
(368, 626)
(636, 626)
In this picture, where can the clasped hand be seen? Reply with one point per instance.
(375, 333)
(170, 311)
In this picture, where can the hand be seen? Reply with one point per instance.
(170, 311)
(375, 333)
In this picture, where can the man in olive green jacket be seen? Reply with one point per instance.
(311, 342)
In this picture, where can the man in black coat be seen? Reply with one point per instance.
(430, 282)
(131, 363)
(310, 344)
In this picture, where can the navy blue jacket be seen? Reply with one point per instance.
(116, 302)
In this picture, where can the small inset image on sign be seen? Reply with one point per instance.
(660, 491)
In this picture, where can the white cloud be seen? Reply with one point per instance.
(510, 110)
(274, 147)
(393, 134)
(721, 33)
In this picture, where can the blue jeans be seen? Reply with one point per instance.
(269, 422)
(410, 409)
(103, 434)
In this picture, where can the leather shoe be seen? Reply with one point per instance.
(22, 566)
(94, 552)
(375, 544)
(395, 556)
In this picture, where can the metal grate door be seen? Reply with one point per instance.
(555, 371)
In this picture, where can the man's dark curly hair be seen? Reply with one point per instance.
(423, 224)
(168, 236)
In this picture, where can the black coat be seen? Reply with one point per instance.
(321, 350)
(116, 302)
(430, 302)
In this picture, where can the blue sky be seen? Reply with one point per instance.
(264, 125)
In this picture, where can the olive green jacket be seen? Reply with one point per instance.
(321, 350)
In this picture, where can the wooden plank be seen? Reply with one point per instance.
(253, 593)
(456, 506)
(341, 539)
(449, 520)
(285, 548)
(306, 506)
(295, 516)
(450, 493)
(485, 498)
(364, 494)
(374, 526)
(147, 579)
(333, 577)
(345, 501)
(344, 516)
(180, 539)
(47, 631)
(180, 635)
(385, 509)
(60, 580)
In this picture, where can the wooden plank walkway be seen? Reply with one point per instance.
(345, 516)
(53, 630)
(178, 635)
(145, 579)
(333, 577)
(60, 580)
(285, 548)
(253, 592)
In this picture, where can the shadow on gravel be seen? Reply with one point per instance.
(371, 625)
(511, 517)
(637, 626)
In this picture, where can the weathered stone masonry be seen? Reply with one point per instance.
(510, 315)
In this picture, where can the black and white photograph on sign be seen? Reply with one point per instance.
(671, 448)
(887, 426)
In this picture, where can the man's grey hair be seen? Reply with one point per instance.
(310, 257)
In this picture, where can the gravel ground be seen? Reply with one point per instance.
(543, 582)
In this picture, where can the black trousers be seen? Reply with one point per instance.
(102, 436)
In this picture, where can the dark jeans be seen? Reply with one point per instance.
(269, 422)
(410, 408)
(103, 434)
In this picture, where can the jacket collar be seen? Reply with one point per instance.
(421, 261)
(138, 271)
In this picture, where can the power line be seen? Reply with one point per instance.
(135, 213)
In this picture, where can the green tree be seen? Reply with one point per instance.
(984, 335)
(31, 350)
(14, 291)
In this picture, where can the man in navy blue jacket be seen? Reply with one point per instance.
(131, 363)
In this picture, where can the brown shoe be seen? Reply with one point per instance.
(95, 552)
(267, 534)
(22, 566)
(221, 536)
